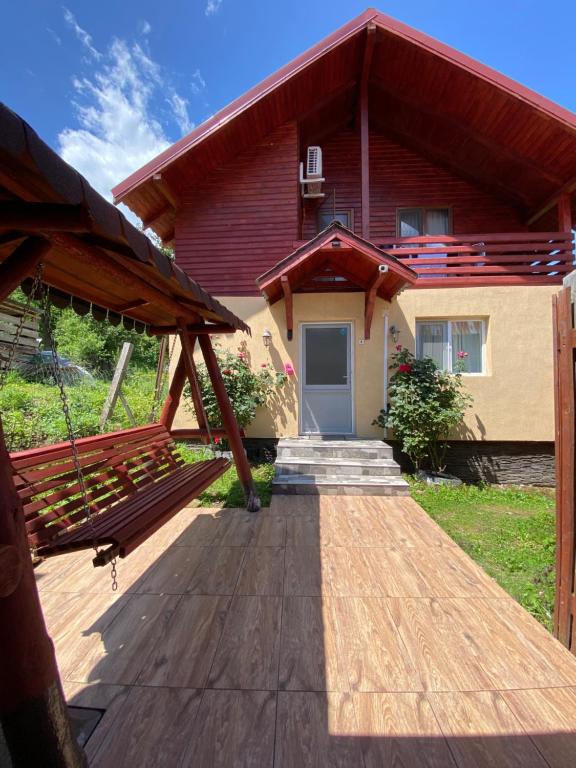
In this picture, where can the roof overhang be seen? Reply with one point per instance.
(459, 113)
(336, 260)
(93, 259)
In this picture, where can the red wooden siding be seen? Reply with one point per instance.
(402, 178)
(243, 218)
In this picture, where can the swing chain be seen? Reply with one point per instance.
(114, 575)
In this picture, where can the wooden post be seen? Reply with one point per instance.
(285, 282)
(21, 264)
(370, 301)
(365, 131)
(32, 706)
(114, 393)
(188, 343)
(565, 213)
(230, 425)
(164, 344)
(565, 466)
(174, 394)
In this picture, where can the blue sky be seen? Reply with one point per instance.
(109, 84)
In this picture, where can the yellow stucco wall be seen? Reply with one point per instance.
(512, 401)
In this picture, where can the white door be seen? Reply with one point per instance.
(326, 391)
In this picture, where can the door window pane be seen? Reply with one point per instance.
(410, 222)
(326, 351)
(467, 339)
(432, 340)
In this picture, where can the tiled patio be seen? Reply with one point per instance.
(325, 631)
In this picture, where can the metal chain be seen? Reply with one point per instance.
(12, 350)
(114, 575)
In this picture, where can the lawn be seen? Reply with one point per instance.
(510, 532)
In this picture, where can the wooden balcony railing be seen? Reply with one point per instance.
(530, 258)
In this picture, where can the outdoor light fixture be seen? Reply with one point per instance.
(394, 332)
(266, 337)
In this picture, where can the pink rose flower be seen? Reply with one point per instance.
(405, 368)
(288, 369)
(462, 354)
(399, 347)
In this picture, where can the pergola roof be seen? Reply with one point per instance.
(94, 258)
(336, 259)
(459, 113)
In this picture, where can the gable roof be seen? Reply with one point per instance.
(458, 112)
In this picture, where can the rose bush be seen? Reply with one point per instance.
(425, 405)
(247, 389)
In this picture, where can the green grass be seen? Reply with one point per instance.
(510, 532)
(227, 491)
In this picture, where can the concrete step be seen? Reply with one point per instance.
(316, 465)
(336, 485)
(337, 449)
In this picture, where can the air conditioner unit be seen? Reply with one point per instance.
(311, 184)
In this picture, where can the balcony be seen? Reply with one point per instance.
(515, 258)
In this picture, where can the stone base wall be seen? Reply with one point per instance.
(517, 463)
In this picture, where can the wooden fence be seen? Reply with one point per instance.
(565, 416)
(27, 343)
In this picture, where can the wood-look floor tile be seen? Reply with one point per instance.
(216, 572)
(374, 654)
(247, 657)
(233, 729)
(482, 731)
(349, 573)
(450, 573)
(548, 715)
(151, 729)
(310, 656)
(400, 729)
(262, 572)
(184, 655)
(316, 730)
(127, 642)
(439, 638)
(303, 531)
(394, 572)
(237, 529)
(200, 532)
(306, 572)
(269, 531)
(50, 571)
(97, 695)
(171, 572)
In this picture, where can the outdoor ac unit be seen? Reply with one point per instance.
(311, 184)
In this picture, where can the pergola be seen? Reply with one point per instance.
(54, 227)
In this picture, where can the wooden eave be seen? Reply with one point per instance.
(443, 98)
(94, 259)
(363, 266)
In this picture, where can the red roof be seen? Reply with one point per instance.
(458, 112)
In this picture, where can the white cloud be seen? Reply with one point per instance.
(81, 34)
(212, 7)
(180, 108)
(57, 39)
(198, 83)
(145, 27)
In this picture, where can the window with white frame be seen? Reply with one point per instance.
(449, 342)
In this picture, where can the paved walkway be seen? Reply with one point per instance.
(326, 631)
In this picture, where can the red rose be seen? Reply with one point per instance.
(399, 347)
(226, 371)
(217, 440)
(404, 368)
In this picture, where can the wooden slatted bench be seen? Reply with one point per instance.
(135, 481)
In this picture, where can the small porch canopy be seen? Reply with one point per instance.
(94, 259)
(336, 260)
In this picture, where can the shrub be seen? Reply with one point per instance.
(247, 389)
(426, 404)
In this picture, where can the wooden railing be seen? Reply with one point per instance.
(501, 259)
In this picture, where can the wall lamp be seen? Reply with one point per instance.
(394, 332)
(266, 337)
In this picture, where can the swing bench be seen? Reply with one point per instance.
(135, 482)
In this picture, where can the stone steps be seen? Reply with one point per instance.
(337, 467)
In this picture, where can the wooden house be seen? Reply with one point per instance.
(383, 189)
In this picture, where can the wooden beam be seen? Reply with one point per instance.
(230, 425)
(366, 67)
(174, 394)
(196, 328)
(150, 220)
(21, 264)
(162, 185)
(188, 342)
(566, 189)
(285, 282)
(370, 300)
(565, 213)
(365, 130)
(44, 217)
(115, 389)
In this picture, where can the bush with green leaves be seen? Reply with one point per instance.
(247, 389)
(425, 405)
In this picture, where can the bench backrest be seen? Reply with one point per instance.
(114, 466)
